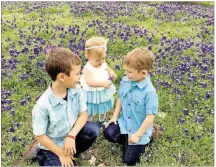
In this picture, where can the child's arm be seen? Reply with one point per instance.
(145, 125)
(116, 113)
(112, 74)
(48, 143)
(70, 144)
(40, 123)
(134, 138)
(88, 77)
(79, 124)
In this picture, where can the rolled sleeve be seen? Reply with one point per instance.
(151, 103)
(39, 120)
(82, 102)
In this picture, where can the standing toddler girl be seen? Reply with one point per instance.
(96, 79)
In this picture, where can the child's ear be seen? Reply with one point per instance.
(61, 77)
(144, 72)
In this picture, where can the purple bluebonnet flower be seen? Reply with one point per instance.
(199, 119)
(40, 81)
(40, 64)
(203, 84)
(17, 124)
(31, 57)
(6, 108)
(28, 98)
(13, 66)
(181, 120)
(8, 153)
(197, 137)
(161, 128)
(5, 101)
(22, 77)
(12, 129)
(14, 139)
(117, 67)
(23, 102)
(207, 95)
(21, 42)
(12, 112)
(25, 50)
(36, 51)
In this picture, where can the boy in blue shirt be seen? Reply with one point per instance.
(59, 117)
(138, 102)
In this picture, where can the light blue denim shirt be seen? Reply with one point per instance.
(54, 116)
(137, 101)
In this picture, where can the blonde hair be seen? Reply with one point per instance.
(139, 59)
(95, 46)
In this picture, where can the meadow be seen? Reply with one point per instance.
(181, 36)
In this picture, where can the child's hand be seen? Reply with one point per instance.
(70, 146)
(133, 138)
(113, 119)
(107, 84)
(113, 75)
(66, 160)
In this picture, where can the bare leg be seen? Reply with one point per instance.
(102, 117)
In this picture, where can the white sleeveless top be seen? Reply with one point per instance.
(98, 74)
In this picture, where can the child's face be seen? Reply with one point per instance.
(96, 61)
(134, 75)
(72, 80)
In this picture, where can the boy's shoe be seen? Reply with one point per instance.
(86, 155)
(32, 150)
(103, 124)
(30, 153)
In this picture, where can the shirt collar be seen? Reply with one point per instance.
(55, 101)
(141, 84)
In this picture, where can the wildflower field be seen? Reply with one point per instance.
(181, 36)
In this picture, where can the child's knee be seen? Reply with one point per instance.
(110, 134)
(94, 129)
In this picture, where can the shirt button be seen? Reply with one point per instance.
(128, 117)
(129, 104)
(129, 130)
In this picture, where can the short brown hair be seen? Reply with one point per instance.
(95, 41)
(60, 60)
(139, 59)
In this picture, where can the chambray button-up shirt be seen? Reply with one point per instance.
(54, 116)
(137, 101)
